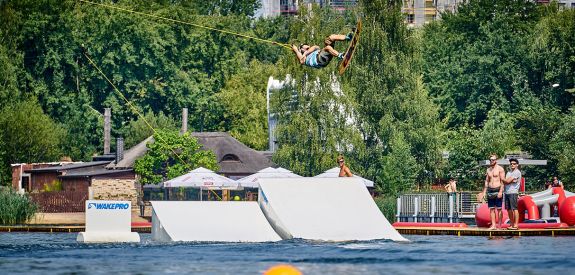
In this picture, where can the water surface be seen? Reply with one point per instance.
(49, 253)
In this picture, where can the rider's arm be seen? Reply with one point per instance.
(310, 50)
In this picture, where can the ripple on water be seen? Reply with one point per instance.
(37, 253)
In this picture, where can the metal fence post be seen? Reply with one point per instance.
(415, 208)
(450, 207)
(432, 215)
(397, 215)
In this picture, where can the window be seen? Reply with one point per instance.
(230, 157)
(410, 18)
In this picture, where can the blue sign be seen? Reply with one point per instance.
(108, 206)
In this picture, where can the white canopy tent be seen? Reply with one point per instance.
(202, 178)
(334, 173)
(252, 181)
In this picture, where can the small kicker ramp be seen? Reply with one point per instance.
(326, 209)
(210, 221)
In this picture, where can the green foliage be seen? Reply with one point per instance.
(244, 98)
(563, 150)
(172, 155)
(387, 204)
(52, 186)
(399, 122)
(15, 208)
(313, 117)
(28, 135)
(138, 130)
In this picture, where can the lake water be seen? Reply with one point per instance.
(45, 253)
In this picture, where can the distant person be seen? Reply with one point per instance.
(512, 182)
(548, 184)
(451, 186)
(556, 182)
(316, 57)
(343, 169)
(493, 190)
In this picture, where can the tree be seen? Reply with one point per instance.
(244, 99)
(395, 115)
(563, 149)
(138, 130)
(313, 112)
(474, 59)
(28, 135)
(171, 155)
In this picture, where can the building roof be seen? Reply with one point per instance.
(539, 162)
(66, 167)
(131, 155)
(233, 156)
(95, 172)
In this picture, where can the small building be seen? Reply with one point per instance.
(235, 159)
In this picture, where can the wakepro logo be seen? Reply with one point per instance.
(109, 206)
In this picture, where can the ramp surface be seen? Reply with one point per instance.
(210, 221)
(328, 209)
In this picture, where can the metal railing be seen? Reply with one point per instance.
(436, 207)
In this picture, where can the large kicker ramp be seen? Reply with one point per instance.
(210, 221)
(327, 209)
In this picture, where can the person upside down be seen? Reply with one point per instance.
(313, 56)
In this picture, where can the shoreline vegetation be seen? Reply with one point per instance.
(417, 105)
(15, 208)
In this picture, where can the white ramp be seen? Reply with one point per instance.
(328, 209)
(210, 221)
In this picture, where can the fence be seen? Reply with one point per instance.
(60, 201)
(436, 207)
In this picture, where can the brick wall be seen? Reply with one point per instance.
(115, 189)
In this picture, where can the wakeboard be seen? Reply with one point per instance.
(350, 50)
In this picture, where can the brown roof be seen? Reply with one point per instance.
(233, 156)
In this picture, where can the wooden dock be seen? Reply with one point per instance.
(470, 231)
(474, 231)
(61, 228)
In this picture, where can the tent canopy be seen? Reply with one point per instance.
(202, 178)
(252, 181)
(334, 173)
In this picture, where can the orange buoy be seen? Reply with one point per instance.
(282, 269)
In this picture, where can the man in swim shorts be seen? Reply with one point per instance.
(493, 190)
(313, 56)
(512, 181)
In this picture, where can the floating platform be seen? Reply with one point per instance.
(474, 231)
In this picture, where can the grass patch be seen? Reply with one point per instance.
(15, 208)
(387, 205)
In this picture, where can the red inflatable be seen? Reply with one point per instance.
(538, 225)
(567, 211)
(526, 203)
(483, 218)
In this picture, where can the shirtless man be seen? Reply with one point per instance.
(316, 57)
(493, 191)
(343, 169)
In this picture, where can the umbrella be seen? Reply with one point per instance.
(251, 181)
(334, 173)
(204, 178)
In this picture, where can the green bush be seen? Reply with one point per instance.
(54, 186)
(15, 208)
(387, 205)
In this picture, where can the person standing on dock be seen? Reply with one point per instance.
(493, 190)
(343, 169)
(512, 181)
